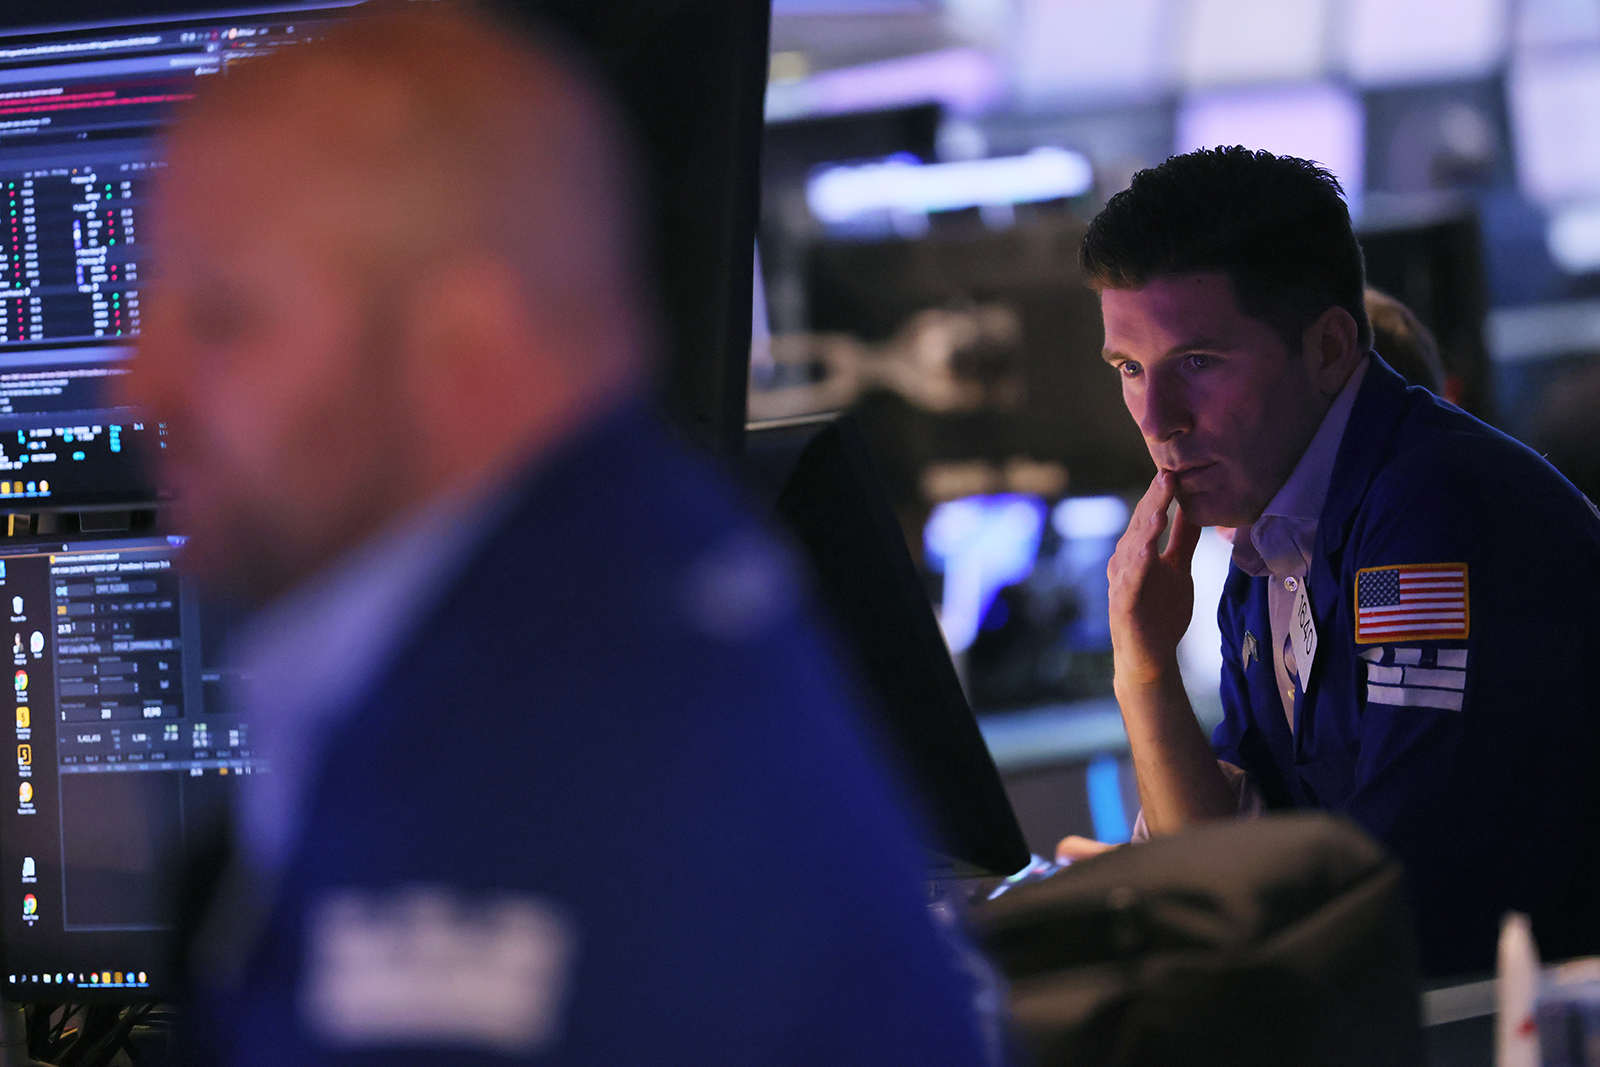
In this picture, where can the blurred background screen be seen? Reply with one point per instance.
(928, 171)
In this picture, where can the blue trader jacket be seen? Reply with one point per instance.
(610, 806)
(1452, 704)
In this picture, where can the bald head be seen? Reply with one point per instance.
(395, 265)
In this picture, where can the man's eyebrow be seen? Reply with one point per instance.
(1111, 355)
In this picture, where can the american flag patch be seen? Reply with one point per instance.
(1412, 602)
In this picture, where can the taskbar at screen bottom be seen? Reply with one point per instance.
(117, 986)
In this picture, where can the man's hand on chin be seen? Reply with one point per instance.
(1152, 592)
(1152, 598)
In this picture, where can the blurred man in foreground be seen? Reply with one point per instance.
(1409, 623)
(558, 769)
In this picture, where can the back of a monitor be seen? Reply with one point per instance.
(828, 496)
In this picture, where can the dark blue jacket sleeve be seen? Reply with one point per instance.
(1490, 805)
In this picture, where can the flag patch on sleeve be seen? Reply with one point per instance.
(1412, 602)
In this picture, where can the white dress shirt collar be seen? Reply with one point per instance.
(1281, 541)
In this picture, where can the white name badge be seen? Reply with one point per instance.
(1303, 635)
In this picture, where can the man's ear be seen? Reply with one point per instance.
(1332, 347)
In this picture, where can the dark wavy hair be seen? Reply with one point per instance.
(1277, 226)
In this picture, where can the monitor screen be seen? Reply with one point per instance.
(80, 111)
(123, 756)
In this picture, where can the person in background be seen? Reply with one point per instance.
(560, 770)
(1408, 623)
(1405, 343)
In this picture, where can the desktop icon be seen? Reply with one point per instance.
(25, 792)
(16, 644)
(27, 868)
(24, 717)
(22, 681)
(24, 755)
(30, 904)
(16, 605)
(36, 642)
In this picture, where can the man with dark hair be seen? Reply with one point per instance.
(1257, 213)
(1394, 647)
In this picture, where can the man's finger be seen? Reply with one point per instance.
(1080, 848)
(1157, 496)
(1150, 514)
(1181, 545)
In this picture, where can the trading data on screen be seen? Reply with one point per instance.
(124, 752)
(81, 112)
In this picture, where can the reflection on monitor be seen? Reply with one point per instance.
(79, 113)
(123, 757)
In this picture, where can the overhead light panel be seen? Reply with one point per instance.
(906, 187)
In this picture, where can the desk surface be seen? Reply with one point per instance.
(1458, 1016)
(1457, 1000)
(1068, 733)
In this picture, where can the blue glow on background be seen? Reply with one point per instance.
(1104, 781)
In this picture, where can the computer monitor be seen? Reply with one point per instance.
(823, 488)
(123, 758)
(80, 110)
